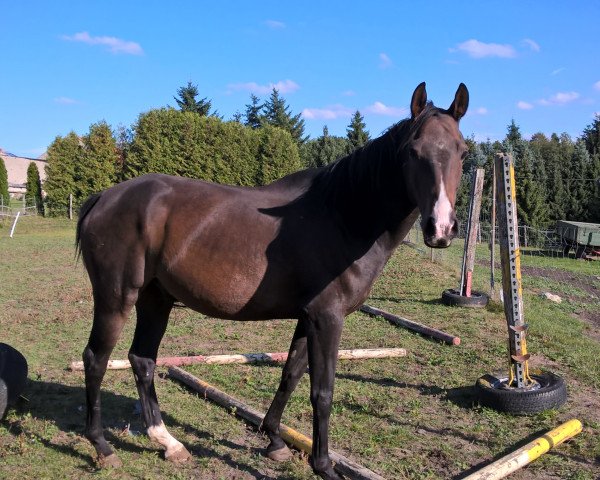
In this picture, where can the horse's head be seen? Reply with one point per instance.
(434, 164)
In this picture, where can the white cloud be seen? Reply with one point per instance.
(275, 24)
(328, 113)
(597, 85)
(378, 108)
(385, 61)
(348, 93)
(534, 46)
(560, 98)
(476, 49)
(65, 101)
(115, 45)
(283, 86)
(557, 71)
(480, 111)
(524, 105)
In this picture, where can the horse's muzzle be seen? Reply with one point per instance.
(439, 235)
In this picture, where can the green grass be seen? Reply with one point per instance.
(408, 418)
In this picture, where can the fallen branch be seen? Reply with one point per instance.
(528, 453)
(417, 327)
(254, 358)
(342, 464)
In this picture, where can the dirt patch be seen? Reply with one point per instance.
(580, 281)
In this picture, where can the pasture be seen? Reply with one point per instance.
(405, 418)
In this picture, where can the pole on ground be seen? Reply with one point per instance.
(528, 453)
(70, 206)
(342, 464)
(254, 358)
(417, 327)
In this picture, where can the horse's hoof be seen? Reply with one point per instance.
(180, 455)
(280, 455)
(110, 461)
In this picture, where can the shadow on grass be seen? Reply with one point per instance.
(64, 406)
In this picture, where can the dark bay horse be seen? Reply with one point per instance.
(308, 246)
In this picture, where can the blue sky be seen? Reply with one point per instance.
(67, 64)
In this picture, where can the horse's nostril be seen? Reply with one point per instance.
(455, 227)
(430, 227)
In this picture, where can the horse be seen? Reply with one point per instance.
(308, 246)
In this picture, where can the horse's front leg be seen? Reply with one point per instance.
(294, 368)
(323, 338)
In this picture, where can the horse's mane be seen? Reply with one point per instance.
(365, 168)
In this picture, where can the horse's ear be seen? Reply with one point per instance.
(419, 100)
(461, 103)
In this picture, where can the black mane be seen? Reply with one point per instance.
(365, 170)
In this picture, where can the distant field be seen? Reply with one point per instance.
(406, 418)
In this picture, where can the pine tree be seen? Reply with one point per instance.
(63, 155)
(253, 115)
(33, 191)
(532, 209)
(4, 183)
(277, 114)
(187, 101)
(356, 131)
(577, 187)
(591, 136)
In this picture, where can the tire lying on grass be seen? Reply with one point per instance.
(453, 298)
(13, 376)
(549, 391)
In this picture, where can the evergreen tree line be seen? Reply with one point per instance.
(557, 177)
(256, 148)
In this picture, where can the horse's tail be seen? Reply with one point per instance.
(83, 211)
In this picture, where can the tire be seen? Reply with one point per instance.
(13, 376)
(453, 298)
(551, 392)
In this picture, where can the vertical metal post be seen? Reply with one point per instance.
(70, 206)
(471, 236)
(511, 271)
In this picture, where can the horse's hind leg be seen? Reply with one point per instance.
(153, 309)
(294, 368)
(107, 326)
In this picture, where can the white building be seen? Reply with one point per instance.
(17, 171)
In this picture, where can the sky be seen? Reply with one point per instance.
(67, 64)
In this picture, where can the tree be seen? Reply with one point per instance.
(4, 197)
(33, 189)
(591, 136)
(356, 131)
(253, 115)
(532, 208)
(63, 155)
(96, 168)
(187, 101)
(277, 114)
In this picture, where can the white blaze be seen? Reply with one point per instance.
(442, 212)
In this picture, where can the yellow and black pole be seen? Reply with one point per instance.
(511, 271)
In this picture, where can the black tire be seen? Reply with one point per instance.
(551, 392)
(454, 298)
(13, 376)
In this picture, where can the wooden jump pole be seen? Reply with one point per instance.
(254, 358)
(342, 464)
(528, 453)
(417, 327)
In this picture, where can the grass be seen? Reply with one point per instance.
(408, 418)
